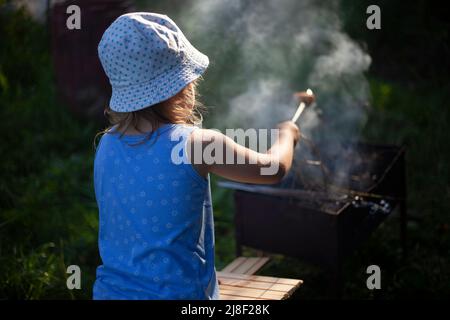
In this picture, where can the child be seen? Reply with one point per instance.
(156, 235)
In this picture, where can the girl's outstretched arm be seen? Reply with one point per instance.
(253, 167)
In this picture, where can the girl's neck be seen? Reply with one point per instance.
(143, 126)
(131, 131)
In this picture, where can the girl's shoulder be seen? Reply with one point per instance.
(206, 135)
(183, 130)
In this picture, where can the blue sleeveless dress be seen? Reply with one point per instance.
(156, 233)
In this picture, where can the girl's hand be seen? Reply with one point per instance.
(305, 97)
(292, 128)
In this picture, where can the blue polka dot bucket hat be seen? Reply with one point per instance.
(147, 60)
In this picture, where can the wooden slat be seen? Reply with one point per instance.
(233, 297)
(246, 265)
(256, 284)
(234, 264)
(252, 293)
(258, 265)
(294, 282)
(250, 287)
(251, 265)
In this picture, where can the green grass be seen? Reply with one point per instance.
(48, 215)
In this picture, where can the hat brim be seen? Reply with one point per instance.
(166, 85)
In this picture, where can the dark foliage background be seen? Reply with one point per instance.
(48, 216)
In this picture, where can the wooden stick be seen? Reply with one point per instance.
(300, 108)
(299, 111)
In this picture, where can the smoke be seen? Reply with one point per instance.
(263, 51)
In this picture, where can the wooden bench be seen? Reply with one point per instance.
(238, 282)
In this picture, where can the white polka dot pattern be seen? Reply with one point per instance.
(147, 60)
(156, 235)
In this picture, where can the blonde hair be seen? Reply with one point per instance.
(177, 109)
